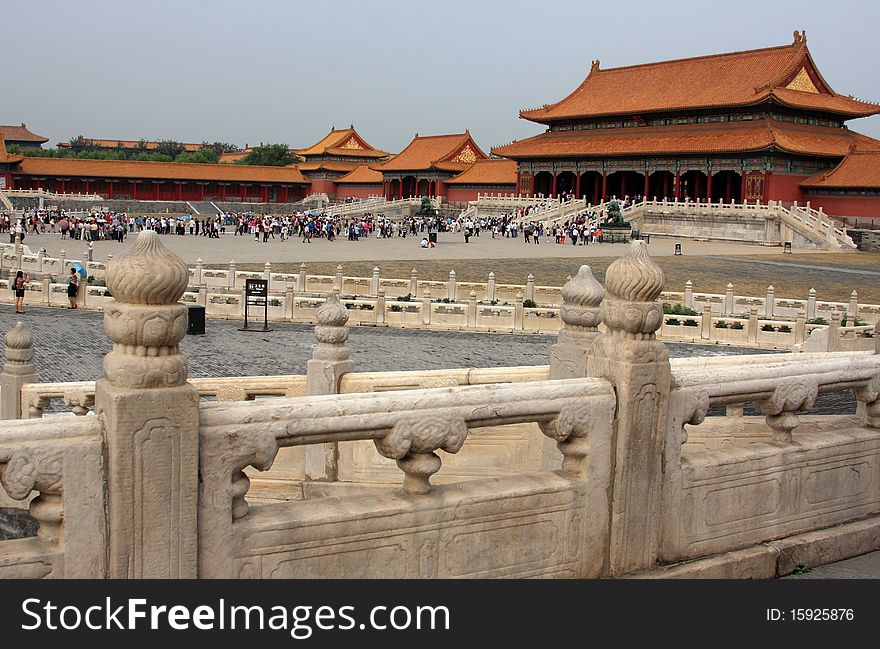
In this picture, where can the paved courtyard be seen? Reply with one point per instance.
(450, 246)
(70, 346)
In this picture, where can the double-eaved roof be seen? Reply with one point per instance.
(785, 75)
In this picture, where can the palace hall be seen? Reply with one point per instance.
(752, 125)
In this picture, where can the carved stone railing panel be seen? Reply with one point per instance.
(62, 461)
(407, 426)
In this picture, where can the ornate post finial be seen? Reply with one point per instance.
(634, 283)
(145, 320)
(331, 331)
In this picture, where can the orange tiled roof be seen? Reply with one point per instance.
(20, 134)
(436, 152)
(328, 165)
(487, 172)
(728, 137)
(130, 144)
(859, 169)
(229, 157)
(362, 174)
(334, 143)
(157, 170)
(5, 157)
(720, 80)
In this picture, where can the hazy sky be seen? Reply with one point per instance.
(276, 71)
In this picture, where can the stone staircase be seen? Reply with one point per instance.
(204, 208)
(770, 223)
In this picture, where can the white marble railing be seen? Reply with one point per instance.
(812, 224)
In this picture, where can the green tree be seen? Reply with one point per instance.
(170, 148)
(219, 148)
(79, 143)
(269, 155)
(205, 155)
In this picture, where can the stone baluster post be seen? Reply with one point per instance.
(689, 294)
(811, 304)
(374, 282)
(728, 300)
(267, 274)
(413, 283)
(490, 287)
(852, 310)
(46, 291)
(450, 288)
(518, 312)
(203, 295)
(380, 307)
(752, 326)
(800, 327)
(426, 307)
(151, 418)
(472, 309)
(17, 252)
(288, 302)
(833, 331)
(40, 256)
(17, 370)
(706, 324)
(337, 284)
(301, 278)
(230, 275)
(530, 287)
(580, 313)
(770, 303)
(637, 364)
(62, 262)
(330, 360)
(197, 273)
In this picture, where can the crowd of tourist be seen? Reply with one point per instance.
(103, 224)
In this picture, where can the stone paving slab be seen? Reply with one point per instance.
(866, 566)
(449, 246)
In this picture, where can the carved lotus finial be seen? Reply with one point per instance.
(332, 313)
(635, 277)
(147, 273)
(19, 338)
(583, 289)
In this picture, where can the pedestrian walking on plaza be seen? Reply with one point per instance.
(18, 287)
(72, 287)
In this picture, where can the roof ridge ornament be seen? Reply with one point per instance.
(800, 37)
(594, 67)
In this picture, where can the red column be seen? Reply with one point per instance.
(284, 194)
(622, 184)
(553, 187)
(62, 187)
(604, 185)
(157, 190)
(742, 191)
(647, 185)
(577, 186)
(243, 192)
(201, 191)
(709, 186)
(86, 183)
(678, 186)
(265, 193)
(596, 188)
(109, 188)
(532, 185)
(400, 189)
(179, 191)
(729, 189)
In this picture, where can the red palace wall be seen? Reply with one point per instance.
(860, 206)
(358, 191)
(5, 181)
(784, 187)
(148, 190)
(454, 195)
(323, 186)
